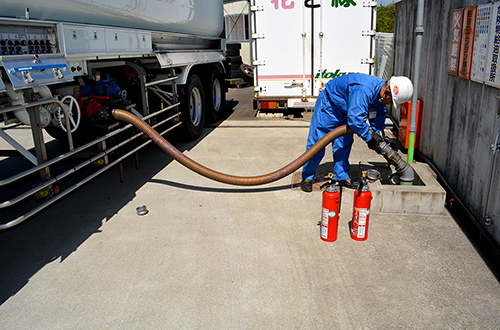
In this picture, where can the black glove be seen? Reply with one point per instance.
(374, 142)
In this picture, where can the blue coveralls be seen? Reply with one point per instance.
(349, 99)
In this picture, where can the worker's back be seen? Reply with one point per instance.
(340, 89)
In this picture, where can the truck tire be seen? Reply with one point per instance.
(246, 72)
(233, 49)
(234, 59)
(193, 108)
(233, 46)
(215, 96)
(235, 74)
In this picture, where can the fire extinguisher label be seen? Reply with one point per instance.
(361, 232)
(362, 216)
(359, 222)
(324, 223)
(324, 219)
(324, 232)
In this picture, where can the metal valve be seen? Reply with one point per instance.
(58, 73)
(28, 77)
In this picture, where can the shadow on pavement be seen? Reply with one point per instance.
(219, 190)
(58, 230)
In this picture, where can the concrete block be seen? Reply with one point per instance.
(428, 198)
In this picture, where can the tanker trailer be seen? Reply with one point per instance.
(61, 61)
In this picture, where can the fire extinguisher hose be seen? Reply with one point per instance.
(226, 178)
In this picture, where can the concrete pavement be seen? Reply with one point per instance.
(213, 256)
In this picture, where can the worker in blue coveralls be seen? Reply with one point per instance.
(351, 100)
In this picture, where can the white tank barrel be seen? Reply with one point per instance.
(197, 17)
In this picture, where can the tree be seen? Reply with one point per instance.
(385, 18)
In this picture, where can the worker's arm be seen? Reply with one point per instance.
(376, 117)
(357, 112)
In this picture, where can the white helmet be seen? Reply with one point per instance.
(401, 90)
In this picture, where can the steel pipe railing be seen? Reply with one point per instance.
(80, 166)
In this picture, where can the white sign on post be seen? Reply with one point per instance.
(492, 76)
(481, 39)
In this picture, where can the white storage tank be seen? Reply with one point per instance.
(196, 17)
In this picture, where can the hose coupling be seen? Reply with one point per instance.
(404, 170)
(105, 112)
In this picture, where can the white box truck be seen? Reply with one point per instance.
(61, 61)
(299, 45)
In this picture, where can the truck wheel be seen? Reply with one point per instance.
(246, 72)
(233, 49)
(192, 108)
(234, 59)
(215, 96)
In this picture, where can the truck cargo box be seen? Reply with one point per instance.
(298, 46)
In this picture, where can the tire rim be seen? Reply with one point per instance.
(216, 94)
(195, 106)
(248, 70)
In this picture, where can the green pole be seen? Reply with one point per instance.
(411, 147)
(419, 31)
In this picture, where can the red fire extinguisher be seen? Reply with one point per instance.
(361, 212)
(330, 214)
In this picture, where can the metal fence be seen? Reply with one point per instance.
(384, 51)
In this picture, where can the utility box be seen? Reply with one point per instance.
(404, 124)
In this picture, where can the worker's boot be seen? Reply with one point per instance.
(348, 183)
(306, 185)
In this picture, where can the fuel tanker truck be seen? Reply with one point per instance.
(106, 78)
(62, 61)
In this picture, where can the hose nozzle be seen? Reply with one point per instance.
(404, 170)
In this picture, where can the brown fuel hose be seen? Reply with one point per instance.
(226, 178)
